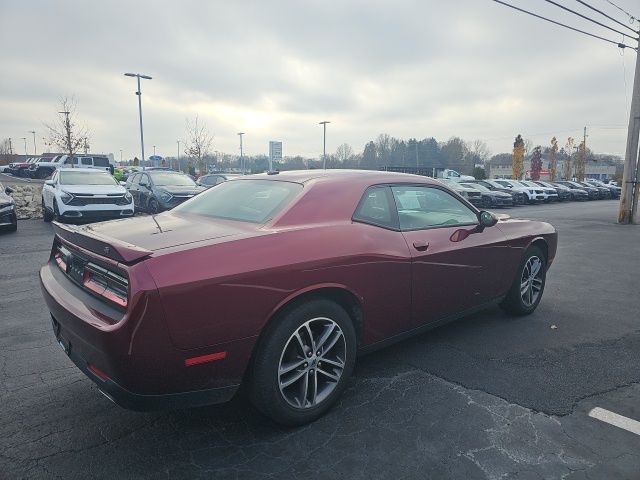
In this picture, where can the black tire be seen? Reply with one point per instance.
(56, 212)
(265, 391)
(514, 303)
(47, 216)
(14, 226)
(153, 207)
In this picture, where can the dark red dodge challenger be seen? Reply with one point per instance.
(278, 282)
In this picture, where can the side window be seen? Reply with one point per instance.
(101, 161)
(144, 179)
(87, 161)
(70, 160)
(134, 179)
(375, 208)
(428, 207)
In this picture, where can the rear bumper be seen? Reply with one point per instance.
(130, 356)
(140, 402)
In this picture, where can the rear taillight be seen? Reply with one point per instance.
(106, 283)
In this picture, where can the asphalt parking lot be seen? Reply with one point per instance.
(489, 396)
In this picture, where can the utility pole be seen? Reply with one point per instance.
(34, 141)
(178, 154)
(25, 145)
(631, 176)
(240, 134)
(324, 144)
(139, 94)
(10, 147)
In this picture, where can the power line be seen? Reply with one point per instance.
(604, 14)
(622, 10)
(621, 45)
(567, 9)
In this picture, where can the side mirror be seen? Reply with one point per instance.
(8, 190)
(51, 183)
(487, 219)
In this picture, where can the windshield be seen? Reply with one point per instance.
(86, 178)
(255, 201)
(166, 179)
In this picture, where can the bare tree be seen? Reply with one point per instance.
(66, 133)
(528, 145)
(198, 144)
(344, 153)
(5, 151)
(479, 150)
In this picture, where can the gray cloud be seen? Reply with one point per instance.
(275, 69)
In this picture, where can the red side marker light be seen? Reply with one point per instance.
(97, 372)
(205, 358)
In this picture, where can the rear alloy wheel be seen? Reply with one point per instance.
(528, 286)
(303, 363)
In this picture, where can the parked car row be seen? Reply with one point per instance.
(508, 193)
(89, 194)
(8, 216)
(43, 167)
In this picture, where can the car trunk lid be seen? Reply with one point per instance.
(130, 240)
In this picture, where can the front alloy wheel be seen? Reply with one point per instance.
(531, 281)
(527, 288)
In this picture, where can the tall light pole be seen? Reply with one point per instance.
(34, 141)
(10, 147)
(120, 157)
(240, 134)
(154, 150)
(139, 94)
(178, 141)
(324, 144)
(25, 144)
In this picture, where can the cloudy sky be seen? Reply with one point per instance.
(274, 69)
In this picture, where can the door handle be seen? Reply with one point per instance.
(420, 245)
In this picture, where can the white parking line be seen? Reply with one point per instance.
(616, 420)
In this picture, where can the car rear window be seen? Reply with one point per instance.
(171, 179)
(254, 201)
(101, 161)
(86, 178)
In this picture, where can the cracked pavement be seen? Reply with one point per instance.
(488, 397)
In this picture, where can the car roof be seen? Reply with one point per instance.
(80, 169)
(338, 175)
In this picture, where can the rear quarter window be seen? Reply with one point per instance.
(253, 201)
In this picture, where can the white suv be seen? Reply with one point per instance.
(533, 194)
(84, 194)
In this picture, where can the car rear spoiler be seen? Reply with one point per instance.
(104, 246)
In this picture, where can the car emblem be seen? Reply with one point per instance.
(106, 250)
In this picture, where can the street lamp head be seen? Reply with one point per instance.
(147, 77)
(324, 122)
(240, 133)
